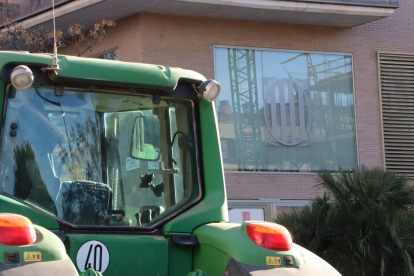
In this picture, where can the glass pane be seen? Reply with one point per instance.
(71, 156)
(285, 111)
(114, 55)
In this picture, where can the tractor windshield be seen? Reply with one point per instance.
(102, 159)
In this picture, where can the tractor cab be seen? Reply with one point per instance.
(114, 168)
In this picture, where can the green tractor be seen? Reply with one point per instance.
(114, 168)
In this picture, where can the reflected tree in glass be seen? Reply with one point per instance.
(29, 184)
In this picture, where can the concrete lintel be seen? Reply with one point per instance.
(301, 7)
(59, 11)
(87, 12)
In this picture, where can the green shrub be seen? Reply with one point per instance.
(363, 224)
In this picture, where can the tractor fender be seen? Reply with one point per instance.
(60, 267)
(313, 266)
(46, 256)
(219, 243)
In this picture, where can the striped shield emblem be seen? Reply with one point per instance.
(287, 113)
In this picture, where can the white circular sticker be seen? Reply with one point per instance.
(92, 254)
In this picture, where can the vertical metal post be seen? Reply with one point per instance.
(243, 82)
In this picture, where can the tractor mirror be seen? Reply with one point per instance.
(146, 139)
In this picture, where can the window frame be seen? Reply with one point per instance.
(115, 49)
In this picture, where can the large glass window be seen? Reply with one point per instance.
(98, 158)
(285, 111)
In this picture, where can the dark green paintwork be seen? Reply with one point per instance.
(129, 254)
(205, 255)
(8, 205)
(49, 245)
(221, 241)
(214, 205)
(2, 87)
(180, 258)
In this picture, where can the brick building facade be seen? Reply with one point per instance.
(189, 42)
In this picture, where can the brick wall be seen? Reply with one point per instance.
(125, 36)
(187, 42)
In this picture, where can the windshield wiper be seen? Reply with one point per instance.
(43, 98)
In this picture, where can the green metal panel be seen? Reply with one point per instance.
(129, 254)
(8, 205)
(49, 245)
(98, 69)
(214, 205)
(2, 89)
(180, 258)
(210, 260)
(230, 241)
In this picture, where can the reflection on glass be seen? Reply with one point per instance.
(71, 156)
(113, 55)
(145, 141)
(285, 111)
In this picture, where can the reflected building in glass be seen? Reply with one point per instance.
(286, 111)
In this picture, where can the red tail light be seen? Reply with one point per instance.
(269, 235)
(16, 230)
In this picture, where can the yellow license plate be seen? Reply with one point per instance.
(273, 261)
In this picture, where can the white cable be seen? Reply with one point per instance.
(55, 64)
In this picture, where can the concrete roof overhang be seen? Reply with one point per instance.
(87, 12)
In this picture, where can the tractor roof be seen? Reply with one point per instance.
(164, 78)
